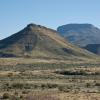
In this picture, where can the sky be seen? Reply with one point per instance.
(16, 14)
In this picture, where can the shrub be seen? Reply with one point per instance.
(10, 74)
(88, 85)
(13, 97)
(64, 88)
(41, 97)
(25, 92)
(81, 72)
(51, 85)
(48, 86)
(6, 96)
(16, 93)
(97, 84)
(18, 85)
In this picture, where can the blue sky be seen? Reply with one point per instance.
(16, 14)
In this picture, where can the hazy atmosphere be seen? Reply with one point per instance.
(16, 14)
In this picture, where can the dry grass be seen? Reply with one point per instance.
(79, 96)
(37, 80)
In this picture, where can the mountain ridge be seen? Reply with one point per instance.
(80, 34)
(39, 42)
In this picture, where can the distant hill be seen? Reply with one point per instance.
(80, 34)
(95, 48)
(37, 41)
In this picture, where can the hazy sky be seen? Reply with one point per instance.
(16, 14)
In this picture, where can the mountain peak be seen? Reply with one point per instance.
(32, 25)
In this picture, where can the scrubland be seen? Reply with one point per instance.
(52, 80)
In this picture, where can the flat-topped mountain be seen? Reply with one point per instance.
(80, 34)
(37, 41)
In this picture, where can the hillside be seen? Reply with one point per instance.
(95, 48)
(80, 34)
(37, 41)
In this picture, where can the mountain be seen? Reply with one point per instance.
(37, 41)
(80, 34)
(95, 48)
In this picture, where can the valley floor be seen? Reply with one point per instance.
(49, 80)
